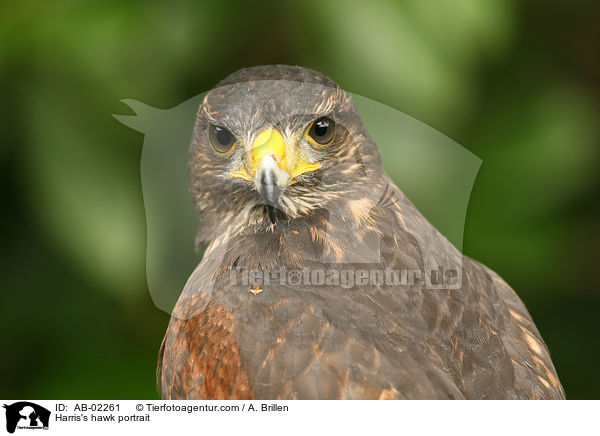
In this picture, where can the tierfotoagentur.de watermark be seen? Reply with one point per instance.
(346, 277)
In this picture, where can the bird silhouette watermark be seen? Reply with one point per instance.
(436, 173)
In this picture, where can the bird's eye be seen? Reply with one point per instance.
(322, 131)
(221, 139)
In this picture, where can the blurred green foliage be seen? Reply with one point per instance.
(514, 82)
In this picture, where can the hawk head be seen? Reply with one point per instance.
(277, 142)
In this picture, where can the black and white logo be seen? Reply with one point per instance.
(26, 415)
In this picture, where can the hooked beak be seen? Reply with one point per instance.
(271, 177)
(270, 181)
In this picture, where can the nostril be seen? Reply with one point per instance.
(277, 158)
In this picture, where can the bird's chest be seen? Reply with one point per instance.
(318, 240)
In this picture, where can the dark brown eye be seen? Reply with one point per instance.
(322, 131)
(221, 139)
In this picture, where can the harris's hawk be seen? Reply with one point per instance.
(293, 202)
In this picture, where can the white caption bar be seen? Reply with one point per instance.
(152, 417)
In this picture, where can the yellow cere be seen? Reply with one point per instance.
(270, 142)
(242, 174)
(304, 167)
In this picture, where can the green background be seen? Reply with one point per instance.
(515, 82)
